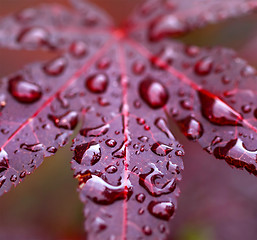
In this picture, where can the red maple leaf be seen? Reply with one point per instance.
(125, 84)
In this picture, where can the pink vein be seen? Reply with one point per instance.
(65, 86)
(125, 112)
(146, 53)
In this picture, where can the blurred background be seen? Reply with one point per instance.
(216, 202)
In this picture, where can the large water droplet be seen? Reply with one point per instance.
(217, 111)
(56, 66)
(4, 163)
(33, 147)
(191, 128)
(166, 25)
(153, 93)
(237, 155)
(162, 125)
(24, 91)
(97, 83)
(101, 192)
(67, 121)
(87, 154)
(34, 37)
(204, 66)
(161, 149)
(161, 210)
(95, 132)
(149, 181)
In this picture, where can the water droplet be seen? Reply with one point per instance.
(216, 140)
(246, 108)
(56, 66)
(192, 51)
(2, 101)
(95, 132)
(140, 197)
(111, 143)
(68, 120)
(138, 68)
(191, 128)
(147, 230)
(62, 138)
(120, 152)
(87, 154)
(186, 104)
(204, 66)
(2, 181)
(153, 93)
(226, 80)
(97, 83)
(161, 210)
(51, 149)
(98, 225)
(34, 37)
(179, 153)
(103, 102)
(162, 125)
(4, 163)
(23, 174)
(111, 169)
(149, 182)
(166, 25)
(13, 178)
(147, 127)
(24, 91)
(237, 155)
(33, 147)
(78, 49)
(143, 139)
(248, 71)
(104, 63)
(140, 121)
(141, 211)
(137, 104)
(162, 228)
(217, 111)
(161, 149)
(101, 192)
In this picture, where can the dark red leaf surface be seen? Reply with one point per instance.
(124, 87)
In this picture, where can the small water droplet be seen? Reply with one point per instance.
(51, 149)
(56, 66)
(179, 153)
(147, 230)
(95, 132)
(191, 128)
(33, 37)
(24, 91)
(120, 152)
(246, 108)
(33, 147)
(141, 211)
(68, 120)
(217, 111)
(216, 140)
(4, 163)
(204, 66)
(153, 93)
(87, 154)
(111, 169)
(192, 51)
(168, 24)
(2, 181)
(149, 183)
(161, 210)
(97, 83)
(78, 49)
(101, 192)
(143, 139)
(23, 174)
(2, 101)
(103, 102)
(161, 149)
(140, 121)
(162, 125)
(104, 63)
(186, 104)
(111, 143)
(98, 225)
(137, 104)
(138, 68)
(147, 127)
(140, 197)
(226, 80)
(13, 178)
(62, 138)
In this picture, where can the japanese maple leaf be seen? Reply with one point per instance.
(124, 85)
